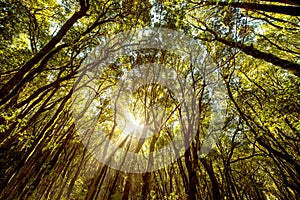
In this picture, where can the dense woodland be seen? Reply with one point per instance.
(255, 47)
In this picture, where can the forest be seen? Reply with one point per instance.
(150, 99)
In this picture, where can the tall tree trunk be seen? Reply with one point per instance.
(191, 191)
(127, 187)
(215, 185)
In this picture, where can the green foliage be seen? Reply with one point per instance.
(42, 155)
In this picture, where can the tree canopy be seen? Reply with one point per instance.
(55, 100)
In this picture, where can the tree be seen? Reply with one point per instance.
(45, 47)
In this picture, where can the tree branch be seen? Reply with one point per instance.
(286, 10)
(294, 68)
(10, 85)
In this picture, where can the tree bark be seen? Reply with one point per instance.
(286, 10)
(215, 185)
(127, 188)
(291, 2)
(192, 175)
